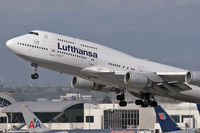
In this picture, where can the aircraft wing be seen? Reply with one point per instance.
(166, 76)
(107, 74)
(174, 86)
(171, 81)
(102, 70)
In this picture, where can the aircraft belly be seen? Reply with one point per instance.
(53, 65)
(72, 70)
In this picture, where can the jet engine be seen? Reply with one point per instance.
(193, 78)
(80, 83)
(137, 80)
(84, 84)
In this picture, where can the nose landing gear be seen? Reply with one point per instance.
(34, 75)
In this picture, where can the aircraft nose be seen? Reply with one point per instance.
(9, 43)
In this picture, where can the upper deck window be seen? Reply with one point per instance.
(34, 33)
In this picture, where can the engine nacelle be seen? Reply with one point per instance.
(137, 80)
(193, 78)
(84, 84)
(80, 83)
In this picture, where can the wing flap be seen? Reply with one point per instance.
(174, 86)
(172, 76)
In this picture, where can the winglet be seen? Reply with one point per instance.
(34, 125)
(166, 122)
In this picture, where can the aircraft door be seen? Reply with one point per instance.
(52, 51)
(49, 42)
(92, 61)
(51, 46)
(32, 46)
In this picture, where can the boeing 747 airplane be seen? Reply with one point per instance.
(97, 67)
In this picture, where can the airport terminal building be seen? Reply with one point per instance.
(68, 115)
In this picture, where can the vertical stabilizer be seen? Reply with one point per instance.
(34, 125)
(166, 122)
(198, 107)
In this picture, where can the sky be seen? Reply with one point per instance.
(165, 31)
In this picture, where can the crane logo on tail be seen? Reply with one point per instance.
(162, 116)
(34, 123)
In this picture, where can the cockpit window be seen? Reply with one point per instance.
(34, 33)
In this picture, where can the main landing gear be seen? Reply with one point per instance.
(34, 75)
(147, 100)
(121, 99)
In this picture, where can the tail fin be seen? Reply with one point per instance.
(198, 107)
(166, 122)
(34, 125)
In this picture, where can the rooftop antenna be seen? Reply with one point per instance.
(190, 114)
(113, 102)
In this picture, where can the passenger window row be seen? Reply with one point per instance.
(65, 41)
(112, 64)
(87, 46)
(78, 56)
(33, 46)
(117, 65)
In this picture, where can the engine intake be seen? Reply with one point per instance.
(137, 80)
(193, 78)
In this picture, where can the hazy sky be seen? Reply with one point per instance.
(166, 31)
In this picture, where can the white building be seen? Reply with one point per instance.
(76, 96)
(82, 115)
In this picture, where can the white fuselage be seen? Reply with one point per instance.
(70, 55)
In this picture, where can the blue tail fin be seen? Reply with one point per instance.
(198, 107)
(166, 122)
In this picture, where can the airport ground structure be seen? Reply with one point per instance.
(78, 114)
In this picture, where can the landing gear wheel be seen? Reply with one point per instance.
(122, 103)
(153, 103)
(144, 105)
(139, 102)
(35, 76)
(147, 99)
(120, 97)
